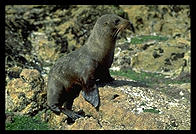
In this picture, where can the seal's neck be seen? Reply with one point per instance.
(99, 45)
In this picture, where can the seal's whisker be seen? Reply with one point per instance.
(116, 32)
(113, 35)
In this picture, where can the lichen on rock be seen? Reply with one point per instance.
(26, 94)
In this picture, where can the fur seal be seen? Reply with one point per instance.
(79, 70)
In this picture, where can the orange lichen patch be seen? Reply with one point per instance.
(17, 85)
(15, 99)
(57, 120)
(21, 92)
(26, 110)
(29, 74)
(29, 94)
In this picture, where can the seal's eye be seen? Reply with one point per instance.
(116, 21)
(105, 23)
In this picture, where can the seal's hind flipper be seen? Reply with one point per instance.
(92, 96)
(55, 109)
(71, 114)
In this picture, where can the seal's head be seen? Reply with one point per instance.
(110, 25)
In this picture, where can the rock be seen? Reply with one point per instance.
(184, 72)
(85, 124)
(17, 30)
(13, 72)
(43, 48)
(27, 93)
(57, 121)
(164, 58)
(162, 19)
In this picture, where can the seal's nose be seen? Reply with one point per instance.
(131, 27)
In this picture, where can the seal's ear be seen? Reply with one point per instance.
(116, 22)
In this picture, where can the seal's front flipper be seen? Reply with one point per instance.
(92, 96)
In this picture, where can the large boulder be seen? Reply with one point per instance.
(26, 94)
